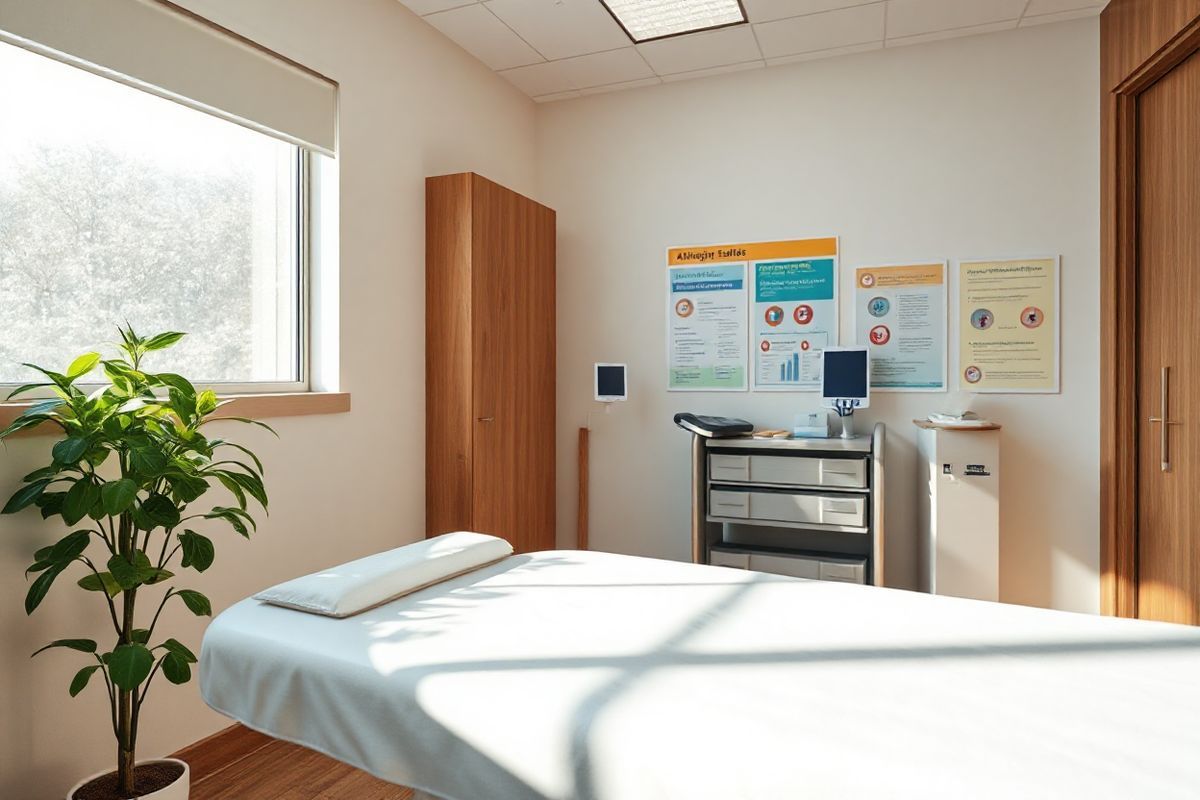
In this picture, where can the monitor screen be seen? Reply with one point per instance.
(610, 380)
(844, 374)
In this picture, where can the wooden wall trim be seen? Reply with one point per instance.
(1140, 41)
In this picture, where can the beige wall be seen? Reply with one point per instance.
(975, 147)
(412, 105)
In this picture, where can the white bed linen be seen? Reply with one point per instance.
(587, 675)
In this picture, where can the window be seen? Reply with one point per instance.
(117, 205)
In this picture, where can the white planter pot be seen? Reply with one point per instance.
(176, 791)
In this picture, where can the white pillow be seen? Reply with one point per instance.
(372, 581)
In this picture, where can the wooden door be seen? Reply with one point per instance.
(1168, 330)
(1150, 304)
(513, 367)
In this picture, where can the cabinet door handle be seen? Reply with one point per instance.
(485, 419)
(1164, 419)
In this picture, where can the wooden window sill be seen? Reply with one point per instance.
(255, 406)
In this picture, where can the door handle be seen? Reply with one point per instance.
(485, 419)
(1164, 419)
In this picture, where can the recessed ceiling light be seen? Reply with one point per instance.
(645, 20)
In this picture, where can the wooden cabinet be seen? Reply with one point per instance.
(489, 362)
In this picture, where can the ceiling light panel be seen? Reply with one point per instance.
(645, 20)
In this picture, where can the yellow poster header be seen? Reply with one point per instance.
(907, 275)
(752, 251)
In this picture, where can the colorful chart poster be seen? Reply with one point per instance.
(707, 328)
(900, 314)
(1008, 312)
(794, 315)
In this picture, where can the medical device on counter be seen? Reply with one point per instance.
(846, 383)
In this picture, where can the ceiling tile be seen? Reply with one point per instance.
(936, 36)
(550, 98)
(767, 10)
(424, 7)
(848, 26)
(704, 73)
(600, 69)
(561, 28)
(1038, 7)
(701, 50)
(540, 79)
(913, 17)
(481, 34)
(1061, 16)
(613, 87)
(816, 54)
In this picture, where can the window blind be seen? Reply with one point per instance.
(165, 49)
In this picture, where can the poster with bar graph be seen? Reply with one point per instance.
(794, 313)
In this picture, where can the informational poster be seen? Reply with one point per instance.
(900, 314)
(706, 338)
(794, 314)
(1008, 325)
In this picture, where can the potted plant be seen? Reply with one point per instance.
(133, 461)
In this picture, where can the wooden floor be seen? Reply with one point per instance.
(239, 764)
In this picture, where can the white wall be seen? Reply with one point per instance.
(983, 146)
(412, 105)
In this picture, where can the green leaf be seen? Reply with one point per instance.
(247, 421)
(104, 582)
(229, 482)
(179, 649)
(82, 645)
(25, 496)
(221, 443)
(236, 517)
(162, 340)
(129, 665)
(176, 669)
(22, 422)
(70, 450)
(44, 472)
(179, 384)
(51, 503)
(60, 380)
(41, 585)
(196, 602)
(117, 496)
(29, 387)
(68, 548)
(79, 500)
(140, 635)
(148, 461)
(124, 573)
(198, 551)
(83, 365)
(206, 402)
(80, 681)
(160, 509)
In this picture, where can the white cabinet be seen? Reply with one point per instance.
(960, 511)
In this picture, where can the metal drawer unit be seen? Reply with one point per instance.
(817, 567)
(809, 508)
(833, 473)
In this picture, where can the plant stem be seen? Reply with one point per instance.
(125, 716)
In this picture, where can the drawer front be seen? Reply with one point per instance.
(786, 565)
(721, 558)
(846, 573)
(844, 473)
(723, 467)
(729, 504)
(841, 473)
(807, 508)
